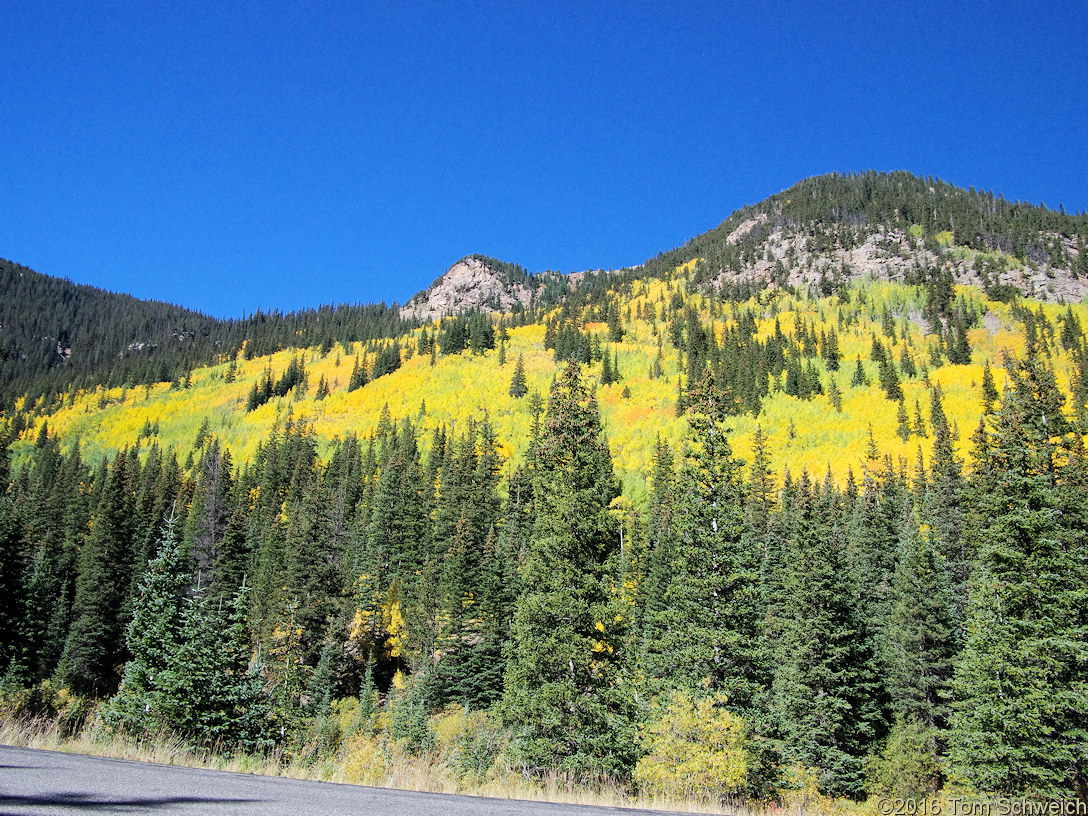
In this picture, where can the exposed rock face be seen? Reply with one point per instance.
(468, 284)
(890, 255)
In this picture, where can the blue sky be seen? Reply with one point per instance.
(236, 156)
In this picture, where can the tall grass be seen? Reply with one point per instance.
(398, 770)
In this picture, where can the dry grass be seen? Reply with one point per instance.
(425, 773)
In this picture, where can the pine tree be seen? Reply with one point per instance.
(12, 626)
(902, 428)
(920, 428)
(94, 648)
(209, 512)
(921, 639)
(707, 632)
(834, 394)
(518, 385)
(218, 701)
(561, 695)
(659, 555)
(889, 381)
(1021, 726)
(959, 350)
(615, 327)
(144, 703)
(859, 378)
(826, 698)
(358, 375)
(942, 509)
(607, 377)
(831, 352)
(989, 390)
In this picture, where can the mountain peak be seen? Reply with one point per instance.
(474, 282)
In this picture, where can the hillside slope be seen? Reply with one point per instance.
(56, 335)
(804, 481)
(832, 253)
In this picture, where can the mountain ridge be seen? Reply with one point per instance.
(820, 233)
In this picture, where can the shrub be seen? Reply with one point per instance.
(693, 749)
(909, 766)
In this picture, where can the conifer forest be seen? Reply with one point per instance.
(801, 504)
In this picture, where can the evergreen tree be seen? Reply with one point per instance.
(145, 701)
(989, 390)
(707, 632)
(831, 352)
(387, 361)
(942, 509)
(902, 428)
(889, 381)
(1021, 726)
(659, 556)
(11, 576)
(834, 394)
(615, 326)
(94, 649)
(518, 385)
(826, 697)
(209, 511)
(561, 695)
(607, 376)
(219, 701)
(921, 639)
(859, 378)
(358, 375)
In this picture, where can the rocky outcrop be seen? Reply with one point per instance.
(467, 285)
(890, 254)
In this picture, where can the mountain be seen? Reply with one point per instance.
(823, 463)
(823, 232)
(889, 225)
(480, 283)
(56, 335)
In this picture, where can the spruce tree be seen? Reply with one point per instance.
(145, 701)
(219, 701)
(859, 378)
(12, 628)
(826, 697)
(831, 352)
(1021, 724)
(707, 633)
(942, 509)
(607, 377)
(902, 428)
(94, 648)
(990, 395)
(561, 695)
(518, 385)
(358, 375)
(209, 511)
(920, 642)
(659, 554)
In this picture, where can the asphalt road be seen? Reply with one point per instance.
(48, 782)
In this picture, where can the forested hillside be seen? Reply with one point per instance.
(774, 512)
(56, 335)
